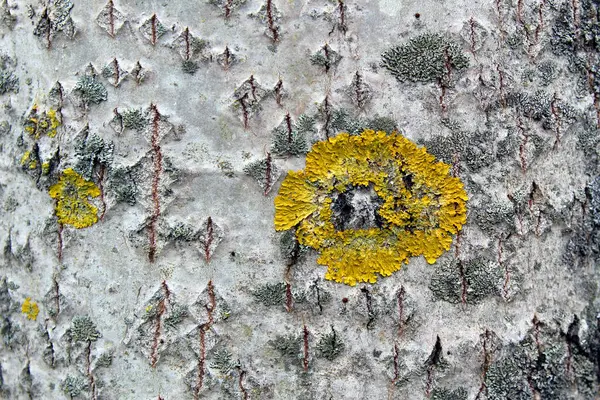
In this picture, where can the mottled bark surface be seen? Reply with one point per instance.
(142, 145)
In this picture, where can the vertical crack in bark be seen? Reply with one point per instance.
(101, 174)
(522, 157)
(342, 11)
(369, 304)
(268, 173)
(278, 90)
(305, 334)
(432, 362)
(228, 7)
(157, 157)
(271, 21)
(153, 21)
(243, 390)
(327, 112)
(288, 124)
(186, 38)
(463, 282)
(396, 364)
(201, 361)
(88, 363)
(60, 241)
(487, 361)
(111, 18)
(117, 71)
(245, 113)
(209, 238)
(400, 299)
(162, 307)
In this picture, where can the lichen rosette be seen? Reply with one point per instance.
(421, 205)
(72, 193)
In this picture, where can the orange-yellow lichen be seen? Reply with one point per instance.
(422, 205)
(30, 309)
(46, 123)
(72, 193)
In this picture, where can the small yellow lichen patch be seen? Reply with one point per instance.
(72, 205)
(27, 161)
(45, 168)
(422, 206)
(46, 123)
(30, 309)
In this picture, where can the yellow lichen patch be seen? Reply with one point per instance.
(294, 202)
(30, 309)
(27, 161)
(72, 193)
(45, 168)
(46, 123)
(421, 205)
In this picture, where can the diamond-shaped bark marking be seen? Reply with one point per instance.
(110, 19)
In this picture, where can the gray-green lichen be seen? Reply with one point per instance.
(494, 216)
(575, 35)
(382, 123)
(547, 72)
(584, 243)
(92, 152)
(177, 314)
(289, 347)
(276, 294)
(190, 67)
(90, 90)
(317, 296)
(264, 172)
(539, 106)
(326, 57)
(338, 119)
(447, 394)
(9, 21)
(430, 57)
(359, 92)
(330, 345)
(73, 386)
(269, 15)
(181, 231)
(134, 119)
(123, 184)
(83, 329)
(289, 139)
(271, 294)
(104, 360)
(55, 18)
(9, 331)
(466, 281)
(222, 361)
(292, 251)
(5, 128)
(547, 364)
(9, 82)
(472, 149)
